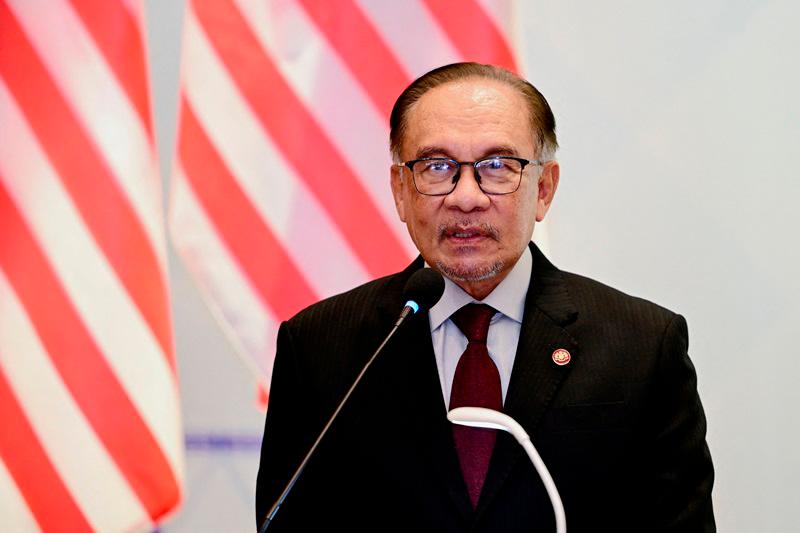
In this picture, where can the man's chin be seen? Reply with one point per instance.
(460, 272)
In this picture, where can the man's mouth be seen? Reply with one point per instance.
(468, 234)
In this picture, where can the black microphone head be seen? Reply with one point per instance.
(424, 288)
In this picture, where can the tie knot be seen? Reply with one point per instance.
(473, 321)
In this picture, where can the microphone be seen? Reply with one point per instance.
(480, 417)
(422, 290)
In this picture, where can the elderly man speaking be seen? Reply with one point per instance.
(600, 380)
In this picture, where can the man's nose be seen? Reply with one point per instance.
(467, 196)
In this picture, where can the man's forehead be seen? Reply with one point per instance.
(466, 94)
(476, 115)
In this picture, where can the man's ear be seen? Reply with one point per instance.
(398, 190)
(548, 183)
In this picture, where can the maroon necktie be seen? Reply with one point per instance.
(476, 384)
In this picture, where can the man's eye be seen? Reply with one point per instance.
(439, 166)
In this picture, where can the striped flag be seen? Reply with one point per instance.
(91, 436)
(280, 193)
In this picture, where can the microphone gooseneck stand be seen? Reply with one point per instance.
(480, 417)
(422, 290)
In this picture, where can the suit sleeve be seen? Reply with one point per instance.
(683, 473)
(286, 431)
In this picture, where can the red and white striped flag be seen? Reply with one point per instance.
(281, 193)
(91, 436)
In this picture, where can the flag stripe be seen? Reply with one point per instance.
(106, 20)
(88, 279)
(103, 206)
(14, 509)
(220, 276)
(473, 32)
(396, 20)
(270, 270)
(311, 154)
(503, 13)
(252, 158)
(91, 89)
(85, 340)
(45, 494)
(362, 48)
(65, 435)
(83, 367)
(335, 98)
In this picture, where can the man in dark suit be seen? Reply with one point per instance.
(600, 380)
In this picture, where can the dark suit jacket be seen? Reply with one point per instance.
(620, 427)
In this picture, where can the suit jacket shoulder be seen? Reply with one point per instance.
(348, 310)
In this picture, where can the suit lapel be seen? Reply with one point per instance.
(435, 431)
(535, 378)
(417, 372)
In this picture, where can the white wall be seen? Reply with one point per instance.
(680, 124)
(679, 128)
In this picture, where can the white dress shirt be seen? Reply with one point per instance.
(508, 298)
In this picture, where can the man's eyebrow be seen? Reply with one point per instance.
(438, 151)
(431, 151)
(500, 150)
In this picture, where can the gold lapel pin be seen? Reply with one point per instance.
(561, 357)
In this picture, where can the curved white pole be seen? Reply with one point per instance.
(481, 417)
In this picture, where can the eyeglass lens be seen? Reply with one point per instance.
(496, 175)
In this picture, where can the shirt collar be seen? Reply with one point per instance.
(508, 297)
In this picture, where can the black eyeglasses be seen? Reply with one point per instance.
(438, 176)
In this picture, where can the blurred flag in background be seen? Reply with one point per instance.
(91, 436)
(280, 193)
